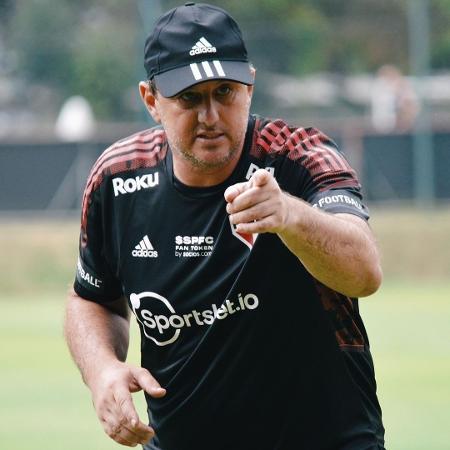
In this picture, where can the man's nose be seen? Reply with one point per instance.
(208, 113)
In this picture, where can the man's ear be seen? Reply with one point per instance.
(149, 99)
(251, 87)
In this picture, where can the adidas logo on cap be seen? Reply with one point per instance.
(144, 249)
(202, 46)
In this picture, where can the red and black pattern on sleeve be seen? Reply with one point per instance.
(312, 149)
(344, 318)
(141, 150)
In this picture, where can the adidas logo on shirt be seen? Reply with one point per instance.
(202, 46)
(144, 249)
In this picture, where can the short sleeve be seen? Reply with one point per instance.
(331, 183)
(341, 201)
(94, 278)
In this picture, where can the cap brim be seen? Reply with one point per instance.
(174, 81)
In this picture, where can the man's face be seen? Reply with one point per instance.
(205, 124)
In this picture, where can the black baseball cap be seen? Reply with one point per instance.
(194, 43)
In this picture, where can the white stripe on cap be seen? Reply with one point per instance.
(219, 68)
(196, 71)
(207, 69)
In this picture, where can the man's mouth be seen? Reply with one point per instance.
(210, 136)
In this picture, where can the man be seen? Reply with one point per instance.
(240, 244)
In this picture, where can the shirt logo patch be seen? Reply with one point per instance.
(337, 199)
(163, 325)
(131, 185)
(87, 278)
(193, 246)
(144, 249)
(246, 238)
(252, 168)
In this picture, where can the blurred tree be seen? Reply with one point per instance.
(440, 49)
(80, 48)
(6, 9)
(104, 61)
(43, 32)
(95, 49)
(285, 36)
(104, 66)
(365, 35)
(320, 35)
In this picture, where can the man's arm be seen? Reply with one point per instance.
(98, 336)
(339, 250)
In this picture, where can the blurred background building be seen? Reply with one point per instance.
(373, 74)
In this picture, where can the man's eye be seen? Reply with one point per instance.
(189, 97)
(223, 90)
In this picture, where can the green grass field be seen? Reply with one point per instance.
(409, 331)
(43, 401)
(44, 405)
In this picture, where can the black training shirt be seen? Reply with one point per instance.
(253, 351)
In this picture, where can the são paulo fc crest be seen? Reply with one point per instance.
(246, 238)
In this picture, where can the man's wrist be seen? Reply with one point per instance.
(98, 370)
(295, 216)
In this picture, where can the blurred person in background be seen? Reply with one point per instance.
(241, 245)
(394, 104)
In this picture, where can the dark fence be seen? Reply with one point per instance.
(388, 171)
(44, 176)
(51, 177)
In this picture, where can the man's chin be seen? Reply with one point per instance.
(211, 158)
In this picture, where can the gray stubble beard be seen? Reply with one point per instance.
(177, 147)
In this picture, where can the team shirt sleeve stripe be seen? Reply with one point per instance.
(313, 149)
(141, 151)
